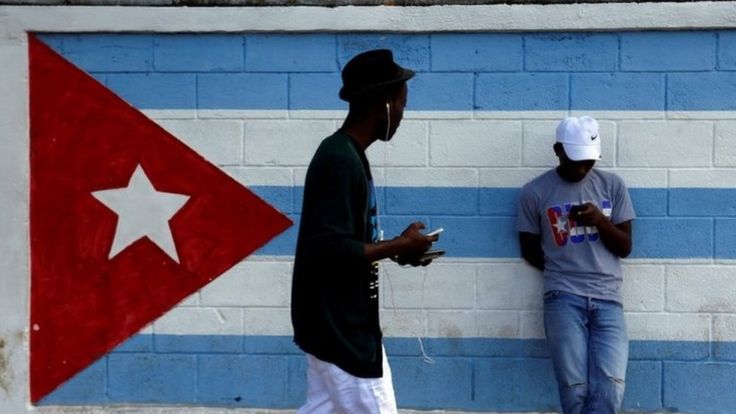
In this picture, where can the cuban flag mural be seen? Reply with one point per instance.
(143, 145)
(110, 250)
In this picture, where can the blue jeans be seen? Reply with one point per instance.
(590, 349)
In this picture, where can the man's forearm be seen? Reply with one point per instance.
(410, 244)
(617, 239)
(531, 249)
(384, 249)
(535, 260)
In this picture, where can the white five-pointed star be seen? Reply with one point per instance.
(142, 211)
(561, 225)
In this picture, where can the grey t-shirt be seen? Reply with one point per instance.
(575, 259)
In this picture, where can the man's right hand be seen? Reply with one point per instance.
(406, 248)
(413, 244)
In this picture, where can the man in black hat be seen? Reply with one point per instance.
(334, 298)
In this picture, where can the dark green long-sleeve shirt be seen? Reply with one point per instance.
(334, 297)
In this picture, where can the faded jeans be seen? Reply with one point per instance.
(589, 348)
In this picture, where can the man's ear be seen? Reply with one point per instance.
(557, 147)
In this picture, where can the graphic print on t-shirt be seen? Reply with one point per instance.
(565, 228)
(373, 212)
(375, 237)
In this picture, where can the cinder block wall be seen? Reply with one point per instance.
(479, 123)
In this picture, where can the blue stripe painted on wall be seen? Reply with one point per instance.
(727, 50)
(458, 52)
(157, 90)
(536, 71)
(567, 52)
(307, 91)
(700, 387)
(487, 374)
(213, 53)
(618, 91)
(703, 202)
(107, 52)
(519, 92)
(410, 50)
(141, 378)
(726, 238)
(667, 51)
(238, 91)
(725, 351)
(289, 53)
(266, 381)
(441, 91)
(671, 223)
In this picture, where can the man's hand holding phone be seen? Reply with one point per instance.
(587, 214)
(417, 245)
(427, 257)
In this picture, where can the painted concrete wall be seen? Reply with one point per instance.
(465, 333)
(271, 3)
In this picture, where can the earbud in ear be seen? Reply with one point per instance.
(388, 120)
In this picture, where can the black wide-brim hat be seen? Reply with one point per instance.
(370, 72)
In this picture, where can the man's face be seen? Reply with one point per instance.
(396, 110)
(570, 170)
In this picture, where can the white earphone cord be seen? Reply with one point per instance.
(426, 358)
(388, 123)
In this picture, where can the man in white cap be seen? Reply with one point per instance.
(574, 224)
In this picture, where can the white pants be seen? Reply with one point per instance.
(330, 390)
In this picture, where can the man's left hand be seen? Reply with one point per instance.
(588, 215)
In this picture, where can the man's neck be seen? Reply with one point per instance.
(361, 132)
(566, 175)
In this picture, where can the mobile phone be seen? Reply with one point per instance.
(435, 232)
(575, 210)
(431, 255)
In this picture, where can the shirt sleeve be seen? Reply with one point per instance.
(527, 218)
(623, 208)
(337, 206)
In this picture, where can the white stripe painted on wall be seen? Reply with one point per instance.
(494, 153)
(675, 300)
(625, 16)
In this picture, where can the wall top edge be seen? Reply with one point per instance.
(315, 3)
(15, 20)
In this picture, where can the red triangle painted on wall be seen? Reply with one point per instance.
(84, 139)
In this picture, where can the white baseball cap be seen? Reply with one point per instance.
(579, 137)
